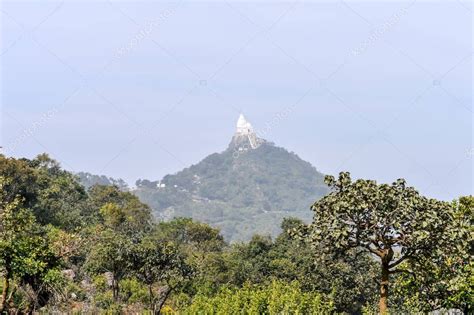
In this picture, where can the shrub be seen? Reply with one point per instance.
(275, 298)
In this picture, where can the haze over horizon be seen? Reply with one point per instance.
(143, 89)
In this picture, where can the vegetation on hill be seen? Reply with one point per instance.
(88, 180)
(241, 193)
(65, 249)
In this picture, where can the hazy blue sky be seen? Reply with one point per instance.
(141, 89)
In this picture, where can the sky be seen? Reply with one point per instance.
(141, 89)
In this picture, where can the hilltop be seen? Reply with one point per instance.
(249, 188)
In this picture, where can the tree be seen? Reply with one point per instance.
(25, 256)
(351, 282)
(18, 180)
(447, 282)
(190, 235)
(250, 262)
(61, 200)
(393, 222)
(120, 210)
(157, 262)
(110, 252)
(201, 247)
(52, 194)
(123, 222)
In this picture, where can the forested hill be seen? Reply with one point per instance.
(88, 180)
(242, 192)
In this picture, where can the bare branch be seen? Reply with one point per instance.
(375, 251)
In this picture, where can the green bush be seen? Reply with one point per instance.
(276, 298)
(132, 291)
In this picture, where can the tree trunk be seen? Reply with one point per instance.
(6, 286)
(10, 301)
(152, 298)
(383, 303)
(115, 289)
(165, 292)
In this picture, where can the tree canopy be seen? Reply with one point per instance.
(68, 249)
(404, 231)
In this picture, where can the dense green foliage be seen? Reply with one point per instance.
(446, 280)
(405, 232)
(242, 194)
(275, 298)
(67, 249)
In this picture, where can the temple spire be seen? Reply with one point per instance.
(245, 137)
(243, 126)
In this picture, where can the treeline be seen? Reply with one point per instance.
(67, 249)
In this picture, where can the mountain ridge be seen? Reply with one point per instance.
(247, 189)
(242, 194)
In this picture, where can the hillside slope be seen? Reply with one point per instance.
(242, 192)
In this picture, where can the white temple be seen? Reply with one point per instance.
(245, 136)
(243, 126)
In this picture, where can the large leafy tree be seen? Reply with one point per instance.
(110, 252)
(190, 235)
(202, 247)
(447, 282)
(250, 262)
(52, 194)
(159, 264)
(26, 256)
(18, 180)
(393, 222)
(350, 281)
(119, 210)
(123, 221)
(61, 200)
